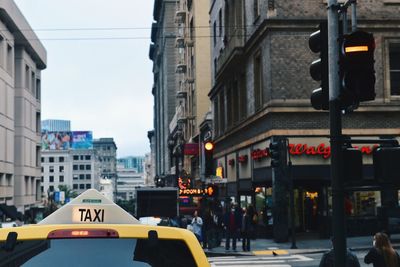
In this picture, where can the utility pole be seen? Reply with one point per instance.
(338, 224)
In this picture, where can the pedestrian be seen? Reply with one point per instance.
(247, 229)
(232, 226)
(382, 253)
(328, 259)
(197, 224)
(252, 213)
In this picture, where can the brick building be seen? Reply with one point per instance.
(261, 89)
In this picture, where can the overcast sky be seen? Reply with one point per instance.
(102, 86)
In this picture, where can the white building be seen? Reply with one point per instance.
(22, 58)
(106, 188)
(77, 169)
(128, 180)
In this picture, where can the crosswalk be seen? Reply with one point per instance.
(257, 261)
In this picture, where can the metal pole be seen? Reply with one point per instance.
(291, 199)
(354, 16)
(338, 227)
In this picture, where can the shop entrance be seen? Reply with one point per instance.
(309, 208)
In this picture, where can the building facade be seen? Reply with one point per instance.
(78, 170)
(163, 53)
(56, 125)
(261, 90)
(22, 58)
(106, 151)
(128, 180)
(194, 82)
(134, 163)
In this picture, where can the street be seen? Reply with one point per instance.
(303, 260)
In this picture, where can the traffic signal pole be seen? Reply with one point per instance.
(338, 220)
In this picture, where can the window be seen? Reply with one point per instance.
(42, 179)
(215, 32)
(81, 167)
(10, 59)
(88, 176)
(81, 186)
(81, 176)
(220, 23)
(61, 168)
(75, 177)
(216, 115)
(51, 159)
(394, 62)
(61, 159)
(61, 178)
(42, 169)
(221, 112)
(88, 167)
(242, 97)
(88, 186)
(75, 167)
(88, 157)
(51, 168)
(38, 90)
(82, 157)
(51, 188)
(42, 159)
(38, 122)
(33, 83)
(258, 96)
(27, 77)
(75, 186)
(51, 179)
(256, 9)
(76, 157)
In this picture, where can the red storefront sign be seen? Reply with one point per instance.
(304, 149)
(243, 159)
(231, 162)
(191, 149)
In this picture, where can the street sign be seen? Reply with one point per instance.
(217, 180)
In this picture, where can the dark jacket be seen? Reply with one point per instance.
(328, 259)
(237, 219)
(375, 257)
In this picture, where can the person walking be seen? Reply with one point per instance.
(247, 230)
(232, 225)
(197, 224)
(328, 259)
(382, 253)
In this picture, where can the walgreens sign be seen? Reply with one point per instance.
(320, 150)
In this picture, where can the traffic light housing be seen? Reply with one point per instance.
(319, 71)
(208, 158)
(386, 165)
(278, 153)
(356, 68)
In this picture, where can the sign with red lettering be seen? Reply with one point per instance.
(191, 149)
(243, 158)
(304, 149)
(231, 162)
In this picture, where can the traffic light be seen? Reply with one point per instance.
(278, 153)
(318, 43)
(208, 158)
(356, 68)
(386, 165)
(352, 167)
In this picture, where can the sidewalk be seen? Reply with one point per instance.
(306, 244)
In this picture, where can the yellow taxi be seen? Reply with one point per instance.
(92, 230)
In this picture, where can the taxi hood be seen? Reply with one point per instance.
(90, 207)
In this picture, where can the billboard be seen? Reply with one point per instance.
(66, 140)
(82, 140)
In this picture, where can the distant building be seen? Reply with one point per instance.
(135, 163)
(75, 168)
(106, 150)
(148, 170)
(106, 188)
(56, 125)
(22, 59)
(128, 180)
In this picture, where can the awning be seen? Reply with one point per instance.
(9, 211)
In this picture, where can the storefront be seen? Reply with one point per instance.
(251, 182)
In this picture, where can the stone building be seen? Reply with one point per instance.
(261, 90)
(22, 58)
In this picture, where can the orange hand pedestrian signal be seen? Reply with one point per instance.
(210, 191)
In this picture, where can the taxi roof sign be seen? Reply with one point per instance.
(90, 207)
